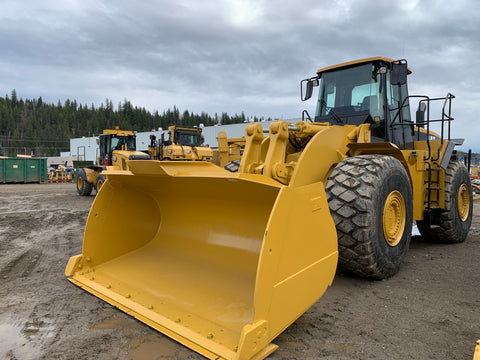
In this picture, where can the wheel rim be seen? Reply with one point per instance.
(394, 214)
(99, 184)
(79, 182)
(463, 202)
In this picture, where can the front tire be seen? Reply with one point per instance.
(84, 188)
(370, 199)
(456, 218)
(99, 181)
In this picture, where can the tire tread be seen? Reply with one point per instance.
(349, 193)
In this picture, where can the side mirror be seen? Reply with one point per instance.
(308, 84)
(153, 139)
(399, 73)
(420, 115)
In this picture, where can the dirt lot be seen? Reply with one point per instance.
(429, 310)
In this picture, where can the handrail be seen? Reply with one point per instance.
(446, 118)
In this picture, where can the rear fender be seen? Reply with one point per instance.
(92, 172)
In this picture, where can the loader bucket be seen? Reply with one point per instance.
(220, 262)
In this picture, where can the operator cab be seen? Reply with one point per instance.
(113, 142)
(183, 137)
(188, 138)
(372, 91)
(123, 143)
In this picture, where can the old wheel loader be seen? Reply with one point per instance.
(230, 150)
(116, 148)
(342, 188)
(184, 143)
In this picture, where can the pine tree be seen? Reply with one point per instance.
(33, 125)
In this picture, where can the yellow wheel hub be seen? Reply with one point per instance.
(79, 182)
(394, 215)
(463, 202)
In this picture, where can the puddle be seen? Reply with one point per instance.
(116, 323)
(152, 347)
(144, 347)
(14, 345)
(38, 329)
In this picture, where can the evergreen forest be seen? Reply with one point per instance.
(33, 127)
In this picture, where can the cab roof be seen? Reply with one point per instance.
(185, 128)
(357, 62)
(117, 132)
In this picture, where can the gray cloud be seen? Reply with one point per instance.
(232, 56)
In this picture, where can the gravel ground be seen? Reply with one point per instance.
(429, 310)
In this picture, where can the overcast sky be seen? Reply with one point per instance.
(235, 55)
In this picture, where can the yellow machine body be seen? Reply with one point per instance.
(476, 354)
(184, 144)
(220, 282)
(60, 174)
(226, 280)
(121, 153)
(229, 149)
(116, 148)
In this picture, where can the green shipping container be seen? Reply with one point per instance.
(81, 163)
(23, 170)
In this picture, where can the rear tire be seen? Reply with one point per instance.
(456, 218)
(84, 188)
(370, 200)
(99, 181)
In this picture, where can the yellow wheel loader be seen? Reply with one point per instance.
(342, 188)
(60, 173)
(230, 151)
(116, 147)
(183, 143)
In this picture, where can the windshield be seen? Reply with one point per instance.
(188, 138)
(119, 141)
(351, 91)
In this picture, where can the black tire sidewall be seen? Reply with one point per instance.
(99, 178)
(81, 175)
(389, 257)
(460, 227)
(86, 188)
(357, 190)
(451, 228)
